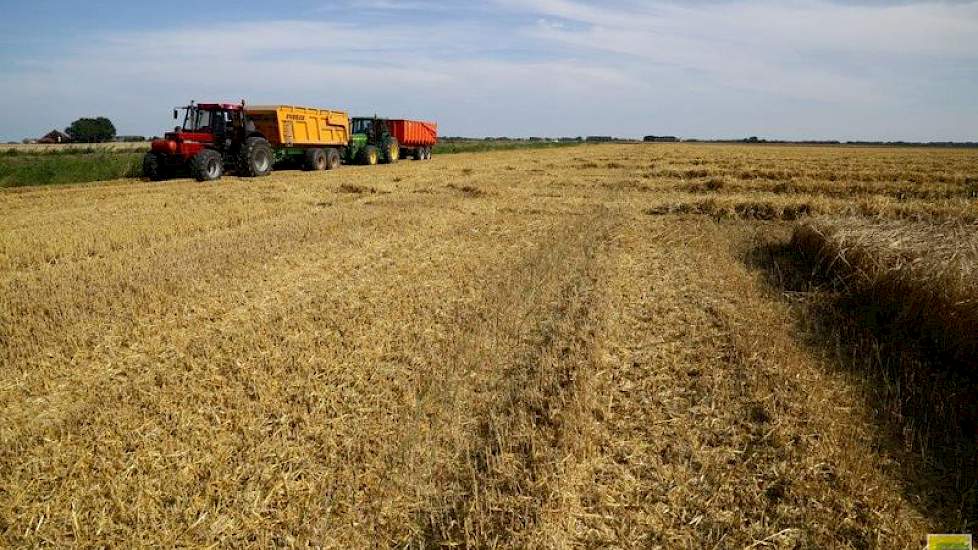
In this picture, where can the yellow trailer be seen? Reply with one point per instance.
(316, 137)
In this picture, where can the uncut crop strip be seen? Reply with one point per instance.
(925, 274)
(905, 298)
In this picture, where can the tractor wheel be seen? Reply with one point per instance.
(207, 165)
(392, 151)
(315, 160)
(154, 167)
(369, 155)
(256, 157)
(332, 159)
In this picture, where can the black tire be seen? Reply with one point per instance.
(256, 158)
(332, 159)
(427, 153)
(392, 151)
(207, 165)
(419, 153)
(154, 167)
(369, 155)
(315, 160)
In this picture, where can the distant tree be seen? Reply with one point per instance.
(91, 130)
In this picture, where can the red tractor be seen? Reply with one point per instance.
(213, 136)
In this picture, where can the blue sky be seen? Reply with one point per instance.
(705, 68)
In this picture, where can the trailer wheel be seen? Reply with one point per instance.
(256, 157)
(427, 153)
(207, 165)
(315, 160)
(332, 159)
(369, 155)
(419, 153)
(154, 167)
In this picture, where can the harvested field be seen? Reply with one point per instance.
(595, 346)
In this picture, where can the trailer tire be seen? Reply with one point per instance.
(154, 167)
(369, 155)
(419, 153)
(427, 153)
(315, 160)
(256, 157)
(207, 165)
(332, 159)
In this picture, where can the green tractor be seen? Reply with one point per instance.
(371, 142)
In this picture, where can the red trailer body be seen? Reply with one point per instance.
(416, 138)
(413, 133)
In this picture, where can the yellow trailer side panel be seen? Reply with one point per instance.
(291, 126)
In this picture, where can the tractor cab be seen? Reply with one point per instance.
(220, 124)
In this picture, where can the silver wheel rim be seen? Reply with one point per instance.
(212, 168)
(261, 161)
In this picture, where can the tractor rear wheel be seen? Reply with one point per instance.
(154, 167)
(207, 165)
(392, 151)
(369, 155)
(332, 159)
(256, 157)
(315, 160)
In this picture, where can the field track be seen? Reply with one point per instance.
(575, 347)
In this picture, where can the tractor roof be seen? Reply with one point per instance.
(219, 106)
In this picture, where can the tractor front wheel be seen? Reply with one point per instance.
(207, 165)
(256, 157)
(315, 160)
(332, 159)
(154, 167)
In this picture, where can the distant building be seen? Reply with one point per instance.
(55, 136)
(661, 139)
(599, 139)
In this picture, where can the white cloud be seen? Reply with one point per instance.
(921, 28)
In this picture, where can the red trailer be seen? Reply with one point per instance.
(415, 137)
